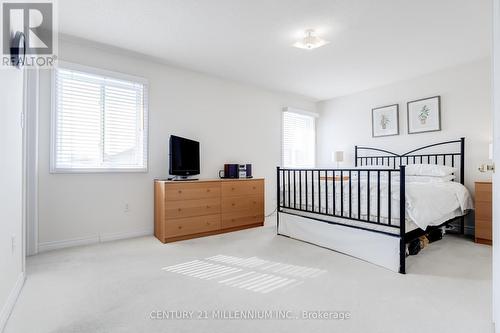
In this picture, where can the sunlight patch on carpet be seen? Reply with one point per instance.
(253, 274)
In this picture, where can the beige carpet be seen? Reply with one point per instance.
(120, 286)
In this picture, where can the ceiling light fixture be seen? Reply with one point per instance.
(310, 41)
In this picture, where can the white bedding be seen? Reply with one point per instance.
(427, 203)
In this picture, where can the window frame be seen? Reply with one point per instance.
(313, 115)
(53, 169)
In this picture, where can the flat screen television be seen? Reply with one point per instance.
(184, 159)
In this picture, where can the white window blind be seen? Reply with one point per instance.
(299, 140)
(99, 122)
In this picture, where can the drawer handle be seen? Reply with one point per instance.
(255, 202)
(208, 223)
(208, 206)
(232, 220)
(253, 187)
(232, 188)
(180, 227)
(233, 204)
(180, 191)
(208, 190)
(179, 209)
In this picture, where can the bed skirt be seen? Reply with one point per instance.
(377, 248)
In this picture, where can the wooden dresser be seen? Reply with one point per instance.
(189, 209)
(483, 230)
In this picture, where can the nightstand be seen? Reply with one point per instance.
(483, 232)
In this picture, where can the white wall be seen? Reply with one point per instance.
(465, 112)
(233, 122)
(11, 185)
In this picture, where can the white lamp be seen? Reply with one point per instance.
(488, 167)
(338, 156)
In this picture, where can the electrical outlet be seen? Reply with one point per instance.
(487, 167)
(13, 243)
(126, 209)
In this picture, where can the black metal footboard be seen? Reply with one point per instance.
(362, 197)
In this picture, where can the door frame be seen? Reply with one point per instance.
(31, 79)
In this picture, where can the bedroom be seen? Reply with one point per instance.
(91, 242)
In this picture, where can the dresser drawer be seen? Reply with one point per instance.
(483, 213)
(192, 225)
(230, 220)
(483, 210)
(188, 191)
(242, 187)
(196, 207)
(483, 192)
(483, 229)
(235, 204)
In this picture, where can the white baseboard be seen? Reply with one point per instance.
(125, 235)
(61, 244)
(11, 301)
(106, 237)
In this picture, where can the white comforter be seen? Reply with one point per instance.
(427, 204)
(435, 203)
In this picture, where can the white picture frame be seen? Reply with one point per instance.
(385, 121)
(424, 115)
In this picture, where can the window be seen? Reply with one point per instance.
(99, 121)
(299, 139)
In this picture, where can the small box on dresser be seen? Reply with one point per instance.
(483, 213)
(190, 209)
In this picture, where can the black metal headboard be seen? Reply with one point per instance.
(381, 157)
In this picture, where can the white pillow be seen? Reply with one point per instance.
(429, 170)
(429, 179)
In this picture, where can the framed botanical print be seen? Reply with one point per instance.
(385, 120)
(424, 115)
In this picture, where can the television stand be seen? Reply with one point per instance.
(182, 178)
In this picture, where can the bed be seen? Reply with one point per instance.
(356, 211)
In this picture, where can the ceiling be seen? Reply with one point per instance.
(372, 42)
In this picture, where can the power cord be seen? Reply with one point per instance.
(274, 211)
